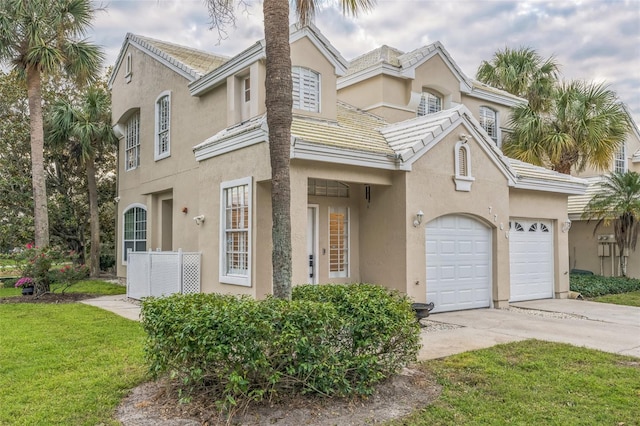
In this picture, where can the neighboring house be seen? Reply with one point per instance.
(596, 251)
(396, 174)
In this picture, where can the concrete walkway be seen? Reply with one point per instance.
(602, 326)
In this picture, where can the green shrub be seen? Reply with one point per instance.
(596, 285)
(329, 340)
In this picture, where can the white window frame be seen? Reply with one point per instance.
(128, 67)
(132, 142)
(430, 103)
(246, 89)
(243, 279)
(345, 265)
(135, 238)
(463, 177)
(484, 119)
(162, 127)
(305, 96)
(620, 164)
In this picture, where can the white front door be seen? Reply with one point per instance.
(459, 271)
(531, 259)
(312, 243)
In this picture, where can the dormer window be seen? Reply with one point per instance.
(620, 160)
(489, 122)
(306, 89)
(429, 103)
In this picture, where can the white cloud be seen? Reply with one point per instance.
(592, 39)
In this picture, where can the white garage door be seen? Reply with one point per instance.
(458, 263)
(531, 259)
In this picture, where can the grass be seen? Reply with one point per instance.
(96, 287)
(630, 299)
(66, 364)
(533, 382)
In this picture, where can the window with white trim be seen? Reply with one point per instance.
(338, 242)
(163, 126)
(235, 235)
(327, 188)
(462, 166)
(429, 103)
(132, 142)
(128, 68)
(306, 89)
(620, 160)
(247, 89)
(135, 230)
(489, 122)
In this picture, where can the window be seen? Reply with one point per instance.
(327, 188)
(127, 68)
(620, 160)
(429, 103)
(338, 242)
(462, 158)
(247, 89)
(235, 259)
(135, 230)
(306, 89)
(489, 122)
(163, 125)
(132, 149)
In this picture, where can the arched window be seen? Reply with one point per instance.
(163, 126)
(306, 89)
(134, 230)
(462, 158)
(430, 102)
(489, 122)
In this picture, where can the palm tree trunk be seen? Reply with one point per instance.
(94, 256)
(279, 103)
(41, 215)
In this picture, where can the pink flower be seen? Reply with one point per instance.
(29, 245)
(24, 281)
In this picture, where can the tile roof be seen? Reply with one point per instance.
(409, 136)
(354, 130)
(577, 203)
(383, 54)
(193, 61)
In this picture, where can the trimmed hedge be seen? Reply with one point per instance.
(329, 340)
(596, 285)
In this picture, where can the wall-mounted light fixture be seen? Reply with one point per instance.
(566, 225)
(418, 219)
(199, 219)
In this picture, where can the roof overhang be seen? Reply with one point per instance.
(303, 150)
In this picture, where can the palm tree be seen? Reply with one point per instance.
(87, 127)
(279, 101)
(618, 203)
(521, 72)
(39, 37)
(585, 125)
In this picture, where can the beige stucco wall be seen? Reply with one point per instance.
(632, 146)
(553, 207)
(430, 188)
(435, 75)
(152, 181)
(583, 251)
(504, 113)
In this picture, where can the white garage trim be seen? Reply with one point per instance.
(531, 259)
(459, 271)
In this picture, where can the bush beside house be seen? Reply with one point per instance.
(596, 285)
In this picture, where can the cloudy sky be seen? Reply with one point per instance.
(594, 40)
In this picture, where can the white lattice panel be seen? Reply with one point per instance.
(190, 273)
(162, 273)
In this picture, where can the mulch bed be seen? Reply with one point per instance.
(48, 298)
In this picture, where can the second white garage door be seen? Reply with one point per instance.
(458, 263)
(531, 259)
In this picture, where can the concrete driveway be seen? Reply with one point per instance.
(602, 326)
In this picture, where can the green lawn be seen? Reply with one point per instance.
(96, 287)
(533, 383)
(630, 299)
(66, 364)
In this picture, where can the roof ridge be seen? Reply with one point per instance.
(151, 39)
